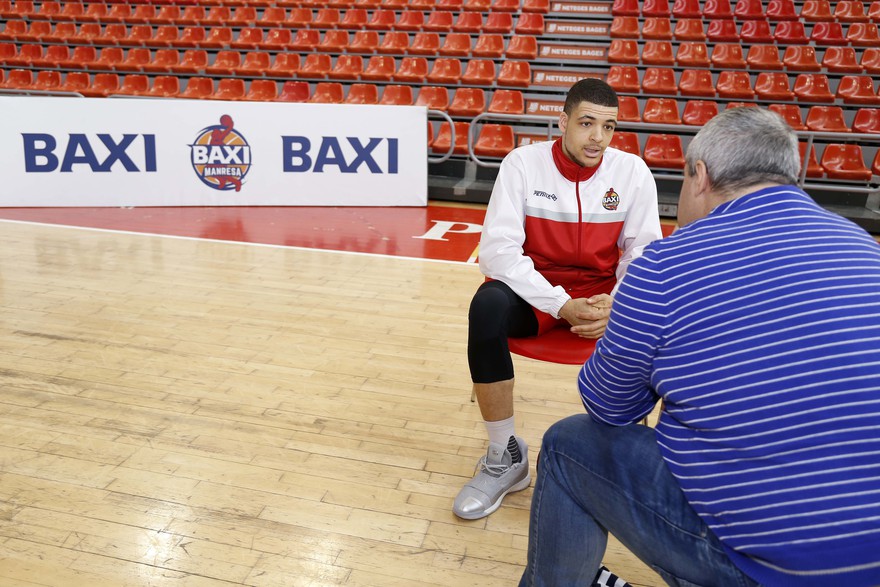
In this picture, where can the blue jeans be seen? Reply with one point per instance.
(594, 479)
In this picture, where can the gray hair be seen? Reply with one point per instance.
(743, 147)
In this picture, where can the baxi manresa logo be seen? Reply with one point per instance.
(221, 156)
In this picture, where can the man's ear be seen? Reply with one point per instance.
(563, 121)
(701, 177)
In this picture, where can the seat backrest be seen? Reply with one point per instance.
(397, 95)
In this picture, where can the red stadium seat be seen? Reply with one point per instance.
(328, 93)
(301, 17)
(658, 28)
(306, 40)
(692, 54)
(857, 89)
(27, 55)
(871, 60)
(218, 38)
(433, 98)
(841, 59)
(191, 36)
(530, 24)
(327, 18)
(498, 22)
(813, 87)
(109, 59)
(717, 9)
(826, 119)
(814, 170)
(844, 162)
(659, 81)
(445, 70)
(425, 43)
(394, 42)
(728, 55)
(364, 42)
(165, 86)
(55, 55)
(542, 6)
(626, 27)
(791, 113)
(316, 66)
(626, 141)
(456, 44)
(664, 151)
(379, 68)
(867, 120)
(225, 62)
(135, 59)
(875, 166)
(76, 81)
(749, 10)
(19, 79)
(850, 11)
(230, 88)
(722, 31)
(655, 8)
(689, 29)
(443, 142)
(411, 70)
(262, 90)
(104, 84)
(773, 86)
(362, 94)
(863, 34)
(164, 60)
(696, 82)
(515, 73)
(816, 11)
(248, 38)
(244, 16)
(273, 16)
(285, 65)
(334, 41)
(781, 10)
(801, 58)
(791, 32)
(191, 14)
(623, 51)
(623, 78)
(507, 102)
(522, 47)
(495, 140)
(217, 15)
(827, 33)
(661, 111)
(397, 96)
(504, 6)
(764, 57)
(489, 45)
(294, 91)
(468, 102)
(756, 31)
(439, 21)
(735, 84)
(348, 67)
(410, 20)
(193, 61)
(354, 18)
(382, 20)
(479, 72)
(49, 81)
(626, 8)
(686, 9)
(699, 112)
(135, 84)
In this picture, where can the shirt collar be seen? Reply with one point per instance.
(568, 168)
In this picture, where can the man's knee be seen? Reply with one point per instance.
(490, 305)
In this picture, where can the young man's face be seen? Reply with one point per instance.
(587, 131)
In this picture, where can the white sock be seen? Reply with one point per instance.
(500, 431)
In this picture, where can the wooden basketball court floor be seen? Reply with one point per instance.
(251, 396)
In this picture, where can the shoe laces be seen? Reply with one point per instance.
(494, 470)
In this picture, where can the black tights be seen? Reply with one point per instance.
(496, 313)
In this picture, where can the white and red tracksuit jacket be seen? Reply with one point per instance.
(555, 230)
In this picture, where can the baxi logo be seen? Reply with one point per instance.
(221, 156)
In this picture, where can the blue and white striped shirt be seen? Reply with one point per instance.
(759, 328)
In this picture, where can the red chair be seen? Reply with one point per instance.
(479, 72)
(814, 170)
(27, 55)
(410, 20)
(354, 18)
(867, 120)
(381, 20)
(498, 22)
(19, 79)
(655, 8)
(433, 98)
(689, 29)
(194, 61)
(827, 33)
(495, 140)
(104, 84)
(81, 58)
(507, 102)
(735, 84)
(198, 88)
(225, 62)
(686, 9)
(48, 81)
(816, 11)
(362, 94)
(306, 40)
(863, 34)
(294, 91)
(489, 45)
(623, 78)
(696, 82)
(530, 24)
(262, 90)
(717, 9)
(412, 70)
(285, 65)
(135, 84)
(722, 31)
(364, 42)
(773, 86)
(347, 67)
(874, 11)
(692, 54)
(456, 45)
(749, 10)
(504, 6)
(425, 43)
(844, 162)
(522, 47)
(135, 60)
(664, 151)
(857, 89)
(826, 119)
(623, 51)
(316, 66)
(515, 73)
(764, 57)
(301, 17)
(217, 15)
(468, 102)
(439, 21)
(756, 31)
(109, 59)
(699, 112)
(143, 13)
(791, 32)
(468, 22)
(443, 142)
(626, 27)
(248, 38)
(379, 68)
(394, 42)
(191, 14)
(658, 28)
(334, 41)
(626, 141)
(661, 111)
(397, 96)
(191, 36)
(813, 87)
(277, 40)
(791, 113)
(273, 16)
(801, 58)
(165, 86)
(218, 38)
(255, 63)
(850, 11)
(446, 70)
(628, 109)
(328, 93)
(871, 60)
(781, 10)
(659, 81)
(327, 18)
(55, 55)
(229, 88)
(658, 53)
(625, 8)
(841, 59)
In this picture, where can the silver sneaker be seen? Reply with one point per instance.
(496, 477)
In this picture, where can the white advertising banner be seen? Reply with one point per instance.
(130, 152)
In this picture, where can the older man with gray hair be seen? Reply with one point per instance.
(757, 324)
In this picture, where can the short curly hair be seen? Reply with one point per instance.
(592, 90)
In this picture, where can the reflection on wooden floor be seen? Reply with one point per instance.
(182, 412)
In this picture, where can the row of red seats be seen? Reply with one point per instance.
(730, 55)
(236, 12)
(352, 18)
(786, 32)
(448, 71)
(811, 10)
(393, 42)
(738, 85)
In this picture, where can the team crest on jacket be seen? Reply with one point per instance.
(611, 200)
